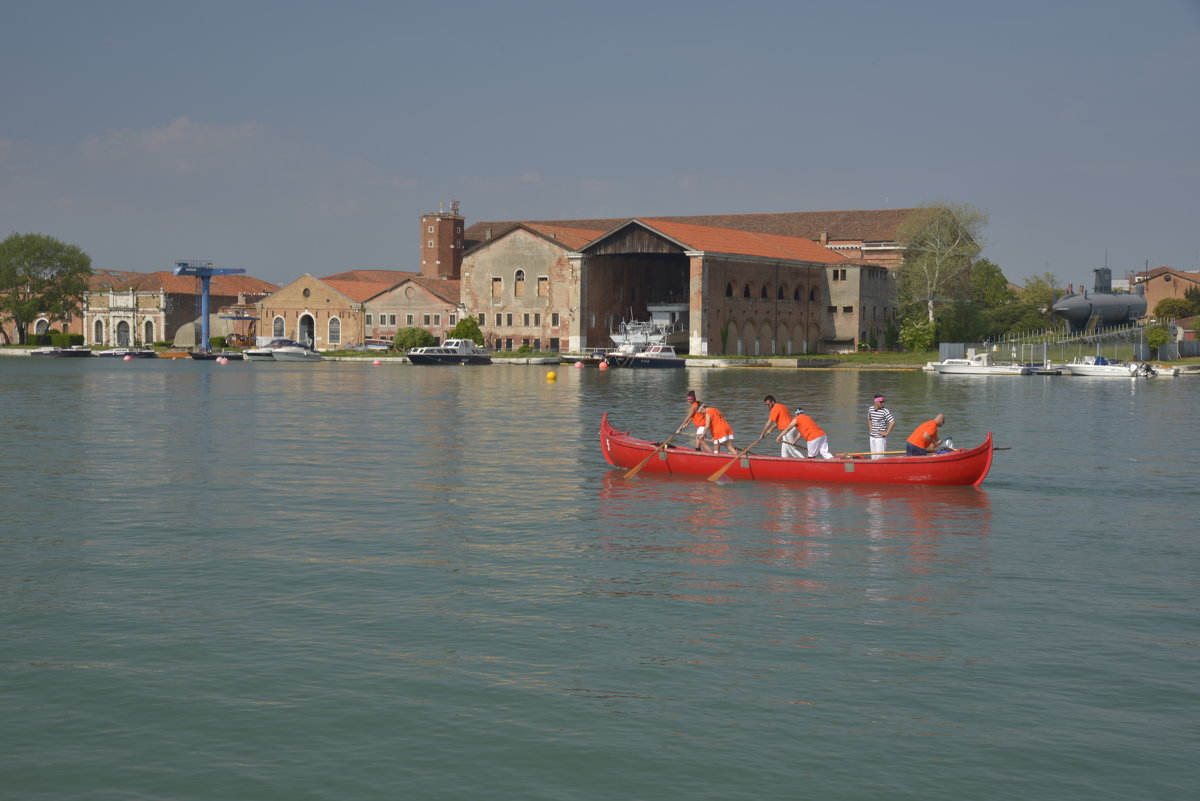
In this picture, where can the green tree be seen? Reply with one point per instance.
(963, 321)
(467, 328)
(917, 335)
(40, 276)
(988, 286)
(941, 240)
(1176, 307)
(1039, 294)
(1156, 337)
(412, 338)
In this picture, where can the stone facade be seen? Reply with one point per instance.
(523, 287)
(145, 308)
(416, 302)
(311, 311)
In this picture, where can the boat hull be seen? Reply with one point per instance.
(1100, 370)
(955, 369)
(133, 353)
(296, 354)
(960, 468)
(444, 359)
(75, 351)
(643, 362)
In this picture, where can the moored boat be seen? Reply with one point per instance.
(965, 467)
(296, 352)
(452, 351)
(978, 364)
(133, 353)
(654, 356)
(1100, 367)
(74, 350)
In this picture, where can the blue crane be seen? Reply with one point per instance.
(205, 271)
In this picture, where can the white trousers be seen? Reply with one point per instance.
(787, 448)
(878, 446)
(819, 447)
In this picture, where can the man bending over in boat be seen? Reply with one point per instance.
(810, 432)
(718, 427)
(925, 438)
(777, 415)
(696, 417)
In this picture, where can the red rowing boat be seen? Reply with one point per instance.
(964, 467)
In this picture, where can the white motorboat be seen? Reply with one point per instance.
(1100, 367)
(652, 356)
(265, 353)
(133, 353)
(978, 364)
(452, 351)
(296, 352)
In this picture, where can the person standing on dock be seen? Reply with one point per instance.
(778, 416)
(925, 438)
(810, 432)
(879, 425)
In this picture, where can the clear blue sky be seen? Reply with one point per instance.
(294, 137)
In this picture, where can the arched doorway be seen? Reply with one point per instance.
(123, 334)
(149, 336)
(306, 330)
(98, 333)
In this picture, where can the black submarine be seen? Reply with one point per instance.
(1106, 307)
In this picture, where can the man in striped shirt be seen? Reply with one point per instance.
(879, 425)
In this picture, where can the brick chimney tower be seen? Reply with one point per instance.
(442, 243)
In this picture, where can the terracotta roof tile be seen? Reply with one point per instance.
(867, 225)
(167, 281)
(357, 291)
(391, 277)
(572, 238)
(448, 289)
(745, 243)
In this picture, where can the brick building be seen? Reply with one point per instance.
(1164, 282)
(756, 284)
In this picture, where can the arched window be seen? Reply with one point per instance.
(149, 335)
(746, 290)
(277, 328)
(519, 284)
(729, 290)
(796, 295)
(812, 294)
(335, 331)
(98, 333)
(780, 293)
(765, 293)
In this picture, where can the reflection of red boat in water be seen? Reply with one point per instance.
(965, 467)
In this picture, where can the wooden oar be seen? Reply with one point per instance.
(715, 476)
(635, 470)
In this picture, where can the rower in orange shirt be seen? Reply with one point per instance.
(697, 419)
(925, 438)
(810, 432)
(718, 427)
(779, 417)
